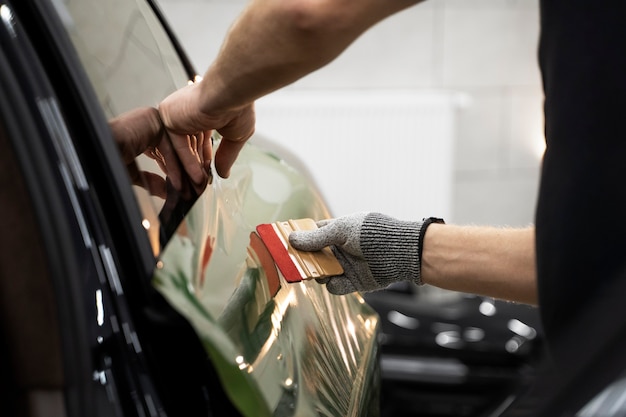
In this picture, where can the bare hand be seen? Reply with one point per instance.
(141, 131)
(184, 113)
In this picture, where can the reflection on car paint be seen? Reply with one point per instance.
(282, 349)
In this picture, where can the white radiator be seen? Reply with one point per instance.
(366, 150)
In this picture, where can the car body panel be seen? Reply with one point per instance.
(299, 352)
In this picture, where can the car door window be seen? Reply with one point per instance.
(131, 63)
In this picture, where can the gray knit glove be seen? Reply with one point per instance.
(374, 250)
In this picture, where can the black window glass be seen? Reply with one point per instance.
(131, 63)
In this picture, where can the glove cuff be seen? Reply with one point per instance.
(393, 247)
(425, 223)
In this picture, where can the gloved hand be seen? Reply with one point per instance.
(374, 250)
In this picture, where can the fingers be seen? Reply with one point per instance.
(337, 285)
(340, 285)
(207, 151)
(322, 281)
(226, 155)
(191, 142)
(169, 161)
(186, 148)
(324, 222)
(235, 134)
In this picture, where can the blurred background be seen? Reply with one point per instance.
(436, 111)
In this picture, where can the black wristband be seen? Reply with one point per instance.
(425, 223)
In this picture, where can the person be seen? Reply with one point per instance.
(579, 232)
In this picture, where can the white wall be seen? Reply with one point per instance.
(389, 151)
(485, 49)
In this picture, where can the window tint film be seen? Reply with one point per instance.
(132, 65)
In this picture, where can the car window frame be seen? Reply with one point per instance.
(148, 314)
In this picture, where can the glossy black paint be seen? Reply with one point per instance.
(452, 354)
(125, 351)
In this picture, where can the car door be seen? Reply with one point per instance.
(160, 306)
(75, 326)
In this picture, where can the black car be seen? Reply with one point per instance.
(446, 353)
(115, 301)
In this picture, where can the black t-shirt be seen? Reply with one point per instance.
(581, 212)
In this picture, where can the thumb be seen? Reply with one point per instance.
(311, 240)
(226, 155)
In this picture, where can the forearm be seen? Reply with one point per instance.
(496, 262)
(275, 42)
